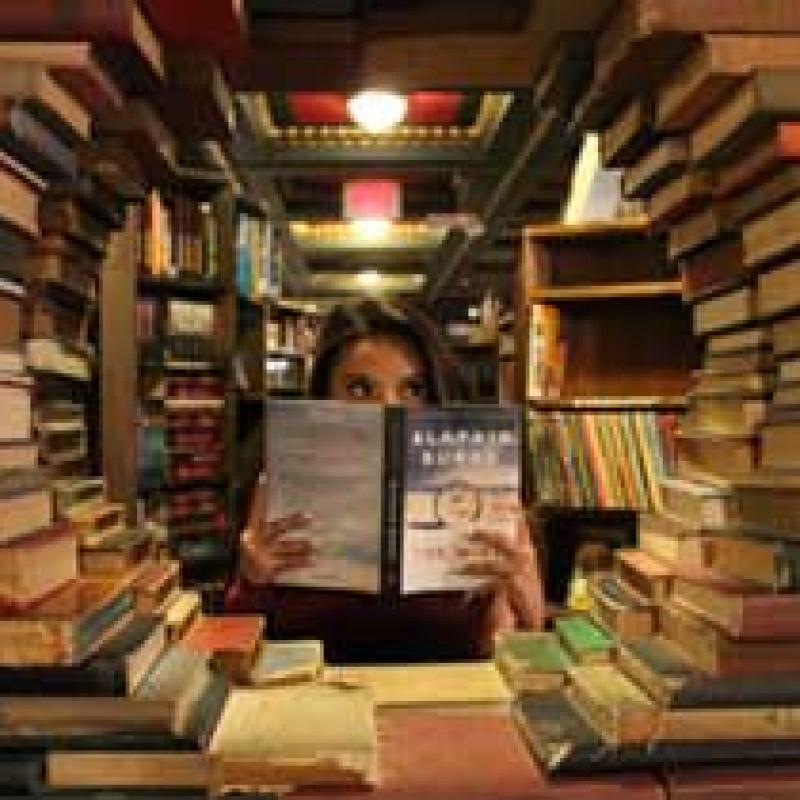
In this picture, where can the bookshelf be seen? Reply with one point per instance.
(607, 352)
(290, 333)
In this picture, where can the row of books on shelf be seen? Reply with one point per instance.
(601, 459)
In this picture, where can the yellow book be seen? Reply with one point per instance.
(470, 684)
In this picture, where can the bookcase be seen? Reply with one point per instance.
(290, 335)
(606, 357)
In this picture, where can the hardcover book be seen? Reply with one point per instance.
(394, 495)
(531, 661)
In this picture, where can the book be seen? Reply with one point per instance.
(154, 583)
(12, 297)
(647, 576)
(421, 482)
(777, 148)
(687, 193)
(52, 357)
(743, 611)
(584, 641)
(95, 521)
(673, 681)
(778, 446)
(20, 197)
(116, 668)
(71, 493)
(716, 653)
(699, 504)
(36, 564)
(289, 661)
(764, 197)
(774, 565)
(751, 382)
(699, 229)
(661, 165)
(18, 455)
(178, 611)
(715, 67)
(670, 540)
(733, 413)
(65, 627)
(785, 336)
(232, 641)
(474, 684)
(618, 608)
(733, 782)
(736, 341)
(26, 504)
(628, 136)
(717, 268)
(777, 290)
(306, 734)
(769, 505)
(531, 661)
(770, 95)
(772, 235)
(15, 396)
(704, 454)
(119, 551)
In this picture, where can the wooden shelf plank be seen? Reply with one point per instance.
(632, 226)
(612, 291)
(607, 403)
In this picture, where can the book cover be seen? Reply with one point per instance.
(393, 495)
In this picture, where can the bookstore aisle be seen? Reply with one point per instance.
(185, 190)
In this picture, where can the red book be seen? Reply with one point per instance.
(764, 783)
(468, 756)
(233, 640)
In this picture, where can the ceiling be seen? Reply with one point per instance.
(478, 145)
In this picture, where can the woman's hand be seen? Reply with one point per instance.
(512, 570)
(265, 552)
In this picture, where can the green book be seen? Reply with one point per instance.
(290, 661)
(531, 661)
(585, 641)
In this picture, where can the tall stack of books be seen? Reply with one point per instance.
(695, 102)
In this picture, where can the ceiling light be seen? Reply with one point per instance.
(371, 229)
(377, 111)
(369, 278)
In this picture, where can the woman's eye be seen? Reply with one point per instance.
(359, 388)
(414, 389)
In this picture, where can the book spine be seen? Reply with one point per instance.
(392, 517)
(89, 631)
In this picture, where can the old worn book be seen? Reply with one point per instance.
(33, 85)
(116, 668)
(129, 43)
(778, 289)
(392, 493)
(12, 297)
(669, 539)
(178, 611)
(287, 661)
(18, 455)
(476, 684)
(232, 641)
(743, 611)
(770, 505)
(65, 627)
(95, 520)
(15, 396)
(756, 360)
(717, 65)
(732, 413)
(307, 734)
(698, 504)
(698, 229)
(779, 442)
(724, 311)
(189, 691)
(786, 396)
(764, 197)
(65, 215)
(564, 743)
(69, 493)
(57, 358)
(618, 608)
(775, 565)
(661, 165)
(714, 269)
(785, 336)
(685, 194)
(704, 454)
(36, 564)
(34, 144)
(26, 503)
(628, 136)
(648, 576)
(117, 552)
(773, 235)
(770, 95)
(777, 148)
(154, 583)
(585, 641)
(734, 783)
(161, 771)
(736, 341)
(788, 372)
(19, 197)
(714, 652)
(614, 705)
(74, 65)
(531, 661)
(752, 383)
(671, 679)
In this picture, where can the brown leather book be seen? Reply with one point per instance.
(232, 640)
(779, 290)
(628, 136)
(743, 610)
(708, 453)
(699, 230)
(785, 335)
(12, 295)
(715, 268)
(779, 188)
(769, 238)
(770, 95)
(768, 782)
(778, 147)
(19, 197)
(120, 28)
(659, 166)
(646, 575)
(724, 311)
(620, 609)
(687, 193)
(720, 62)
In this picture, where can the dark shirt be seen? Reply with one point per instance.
(358, 628)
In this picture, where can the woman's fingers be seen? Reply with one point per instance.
(291, 522)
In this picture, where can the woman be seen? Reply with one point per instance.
(380, 353)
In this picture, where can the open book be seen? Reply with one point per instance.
(394, 494)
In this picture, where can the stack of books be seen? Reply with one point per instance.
(695, 102)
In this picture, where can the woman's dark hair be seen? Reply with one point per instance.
(348, 323)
